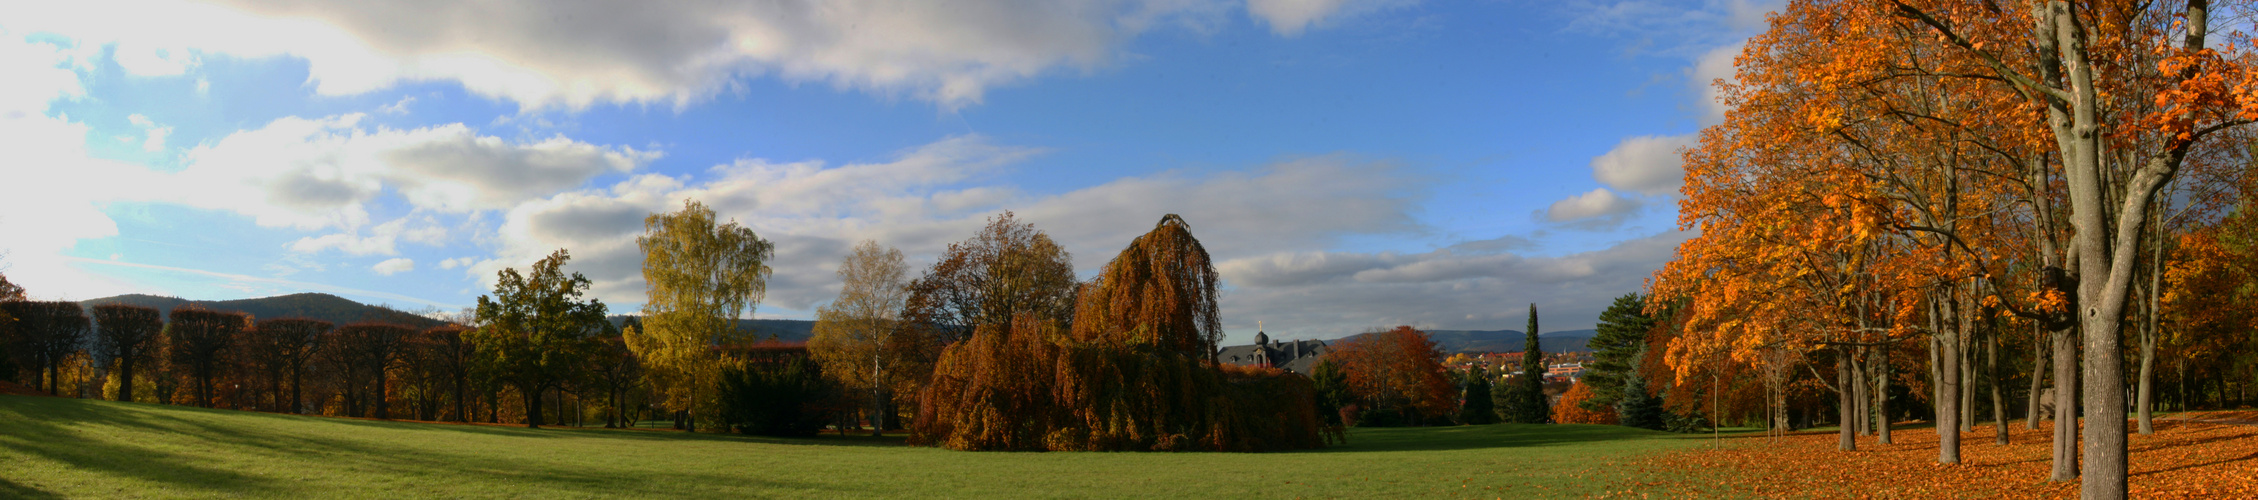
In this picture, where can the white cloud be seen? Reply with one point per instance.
(574, 54)
(456, 262)
(324, 173)
(381, 239)
(1705, 74)
(930, 196)
(1598, 208)
(1333, 294)
(1289, 18)
(397, 108)
(1649, 164)
(141, 60)
(156, 133)
(393, 266)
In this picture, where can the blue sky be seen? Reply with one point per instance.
(1350, 164)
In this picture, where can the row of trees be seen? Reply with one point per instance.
(2038, 197)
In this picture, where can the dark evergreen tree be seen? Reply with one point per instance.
(1637, 408)
(1615, 350)
(1332, 391)
(1478, 408)
(1531, 406)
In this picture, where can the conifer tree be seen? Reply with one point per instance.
(1638, 409)
(1532, 407)
(1479, 408)
(1622, 335)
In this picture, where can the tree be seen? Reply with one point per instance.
(373, 349)
(1159, 292)
(854, 337)
(454, 357)
(298, 340)
(1333, 393)
(127, 333)
(613, 368)
(1132, 374)
(1007, 269)
(1396, 371)
(1477, 408)
(46, 333)
(701, 276)
(533, 329)
(1615, 350)
(1531, 406)
(1638, 408)
(1571, 408)
(198, 338)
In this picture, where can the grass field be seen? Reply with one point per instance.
(71, 448)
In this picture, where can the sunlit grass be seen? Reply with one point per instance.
(54, 447)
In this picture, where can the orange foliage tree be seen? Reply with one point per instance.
(1569, 411)
(1133, 373)
(1397, 370)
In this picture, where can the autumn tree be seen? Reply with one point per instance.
(855, 335)
(1006, 269)
(702, 274)
(533, 329)
(375, 348)
(1571, 409)
(280, 350)
(127, 335)
(46, 333)
(197, 338)
(1397, 370)
(614, 369)
(454, 358)
(1133, 373)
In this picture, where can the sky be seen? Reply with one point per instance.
(1349, 164)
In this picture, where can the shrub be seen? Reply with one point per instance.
(785, 397)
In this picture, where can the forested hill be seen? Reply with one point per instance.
(321, 306)
(788, 330)
(1456, 341)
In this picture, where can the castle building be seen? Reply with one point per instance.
(1299, 356)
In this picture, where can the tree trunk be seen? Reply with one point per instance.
(383, 395)
(1846, 440)
(2066, 412)
(1948, 390)
(125, 378)
(2038, 378)
(1968, 378)
(532, 405)
(1882, 375)
(1998, 401)
(1859, 414)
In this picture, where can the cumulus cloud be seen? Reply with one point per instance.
(1331, 294)
(1709, 71)
(1644, 164)
(930, 196)
(393, 266)
(1595, 209)
(324, 173)
(574, 54)
(156, 133)
(1290, 18)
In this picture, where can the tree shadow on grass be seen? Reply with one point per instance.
(53, 430)
(9, 489)
(43, 427)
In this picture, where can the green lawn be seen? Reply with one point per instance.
(54, 447)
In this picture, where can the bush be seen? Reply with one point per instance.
(786, 397)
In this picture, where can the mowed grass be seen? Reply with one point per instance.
(71, 448)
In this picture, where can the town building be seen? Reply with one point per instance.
(1299, 356)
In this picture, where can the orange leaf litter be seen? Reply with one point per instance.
(2181, 460)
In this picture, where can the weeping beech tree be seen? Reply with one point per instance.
(1133, 373)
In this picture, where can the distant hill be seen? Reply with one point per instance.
(1456, 341)
(788, 330)
(321, 306)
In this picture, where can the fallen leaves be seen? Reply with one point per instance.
(2181, 460)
